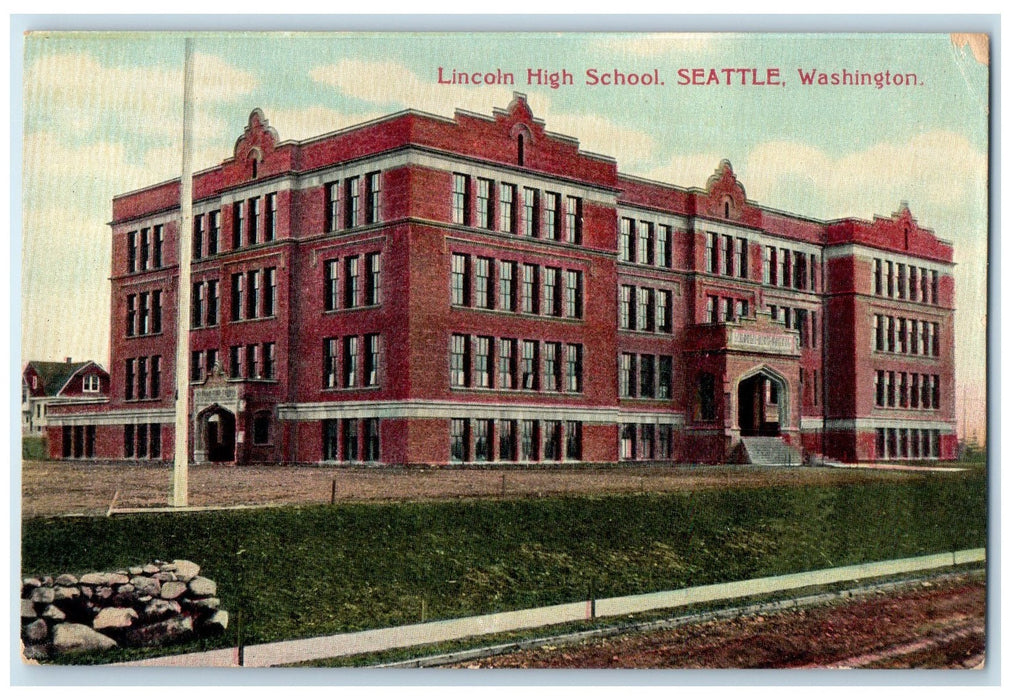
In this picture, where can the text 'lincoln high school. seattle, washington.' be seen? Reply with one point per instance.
(424, 290)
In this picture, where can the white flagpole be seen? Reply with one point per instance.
(180, 471)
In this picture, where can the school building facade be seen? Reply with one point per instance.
(425, 290)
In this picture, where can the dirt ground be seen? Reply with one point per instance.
(64, 488)
(931, 625)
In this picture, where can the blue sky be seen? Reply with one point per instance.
(103, 115)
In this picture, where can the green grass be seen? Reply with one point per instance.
(34, 447)
(327, 569)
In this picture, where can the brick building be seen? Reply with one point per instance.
(424, 290)
(67, 383)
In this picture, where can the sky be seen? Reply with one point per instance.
(103, 113)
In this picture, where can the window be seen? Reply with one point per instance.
(197, 368)
(459, 361)
(573, 440)
(626, 240)
(626, 319)
(728, 309)
(482, 288)
(552, 367)
(712, 255)
(237, 221)
(198, 237)
(664, 377)
(935, 339)
(878, 279)
(330, 363)
(663, 311)
(269, 360)
(485, 212)
(351, 202)
(373, 279)
(254, 292)
(573, 220)
(769, 265)
(270, 222)
(269, 291)
(331, 287)
(159, 245)
(235, 362)
(663, 245)
(372, 359)
(742, 258)
(371, 437)
(530, 212)
(482, 440)
(482, 361)
(783, 268)
(552, 440)
(458, 440)
(461, 187)
(507, 286)
(626, 448)
(934, 288)
(460, 280)
(131, 251)
(129, 379)
(141, 377)
(350, 361)
(213, 232)
(573, 294)
(914, 391)
(211, 311)
(647, 376)
(552, 215)
(646, 314)
(647, 442)
(626, 375)
(528, 440)
(131, 315)
(373, 191)
(727, 255)
(574, 367)
(507, 208)
(552, 299)
(349, 426)
(507, 440)
(91, 383)
(529, 365)
(145, 247)
(529, 300)
(238, 285)
(332, 194)
(351, 282)
(890, 278)
(253, 362)
(261, 428)
(507, 363)
(645, 248)
(145, 313)
(711, 310)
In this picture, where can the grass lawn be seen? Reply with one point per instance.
(326, 569)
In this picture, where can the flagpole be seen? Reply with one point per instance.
(180, 470)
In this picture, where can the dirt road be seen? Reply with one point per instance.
(61, 488)
(935, 625)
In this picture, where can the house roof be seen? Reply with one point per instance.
(55, 375)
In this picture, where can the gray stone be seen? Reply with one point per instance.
(164, 576)
(144, 599)
(37, 631)
(27, 610)
(185, 570)
(69, 637)
(34, 652)
(151, 569)
(66, 592)
(114, 618)
(44, 595)
(166, 566)
(146, 585)
(159, 609)
(136, 570)
(66, 580)
(125, 588)
(172, 629)
(171, 590)
(203, 605)
(87, 591)
(28, 585)
(216, 624)
(47, 580)
(104, 579)
(103, 592)
(203, 587)
(122, 572)
(54, 613)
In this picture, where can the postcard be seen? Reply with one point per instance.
(486, 350)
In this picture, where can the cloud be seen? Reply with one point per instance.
(300, 124)
(656, 44)
(688, 169)
(601, 135)
(77, 92)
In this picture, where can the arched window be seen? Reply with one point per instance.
(519, 148)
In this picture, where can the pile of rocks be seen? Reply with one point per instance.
(145, 605)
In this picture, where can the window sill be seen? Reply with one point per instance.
(344, 309)
(521, 314)
(371, 387)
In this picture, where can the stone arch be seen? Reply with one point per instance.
(750, 402)
(214, 438)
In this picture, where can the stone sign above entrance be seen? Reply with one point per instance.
(777, 343)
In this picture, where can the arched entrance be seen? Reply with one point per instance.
(217, 434)
(760, 404)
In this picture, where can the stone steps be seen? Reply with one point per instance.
(771, 452)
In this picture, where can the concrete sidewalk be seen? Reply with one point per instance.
(347, 644)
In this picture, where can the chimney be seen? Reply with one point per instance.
(67, 360)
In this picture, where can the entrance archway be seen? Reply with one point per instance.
(217, 433)
(760, 402)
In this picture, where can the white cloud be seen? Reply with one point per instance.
(601, 135)
(688, 169)
(657, 44)
(75, 91)
(300, 124)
